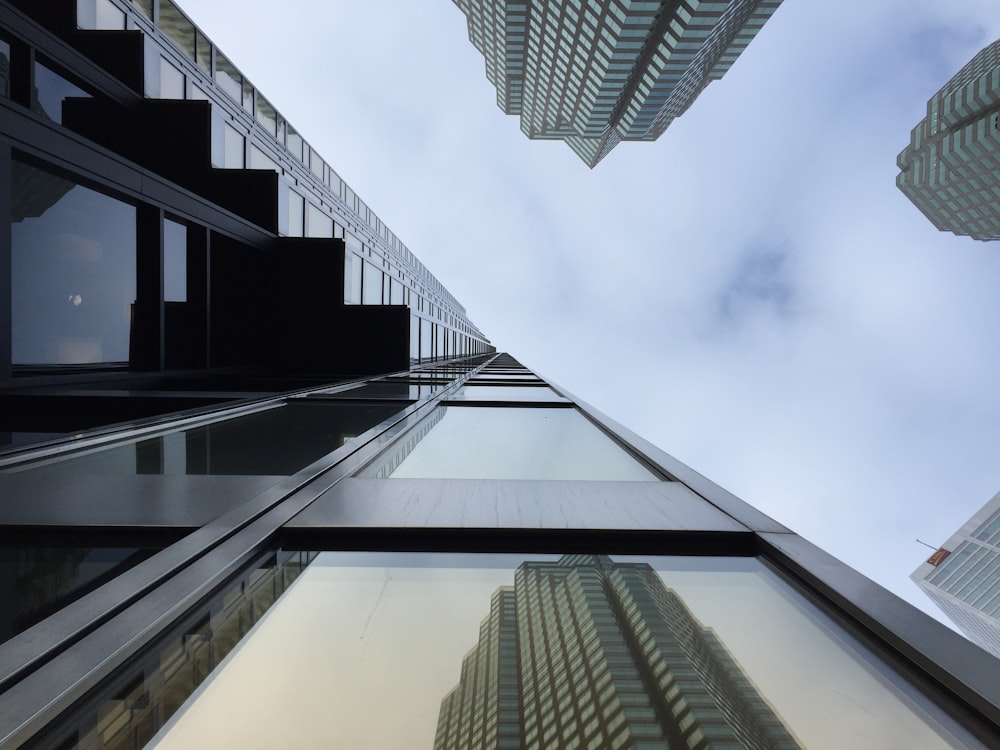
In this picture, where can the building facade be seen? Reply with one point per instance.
(238, 511)
(951, 169)
(963, 577)
(594, 74)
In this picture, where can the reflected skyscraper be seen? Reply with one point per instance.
(951, 169)
(595, 74)
(586, 652)
(216, 360)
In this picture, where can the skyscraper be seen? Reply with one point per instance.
(951, 169)
(228, 390)
(963, 577)
(647, 669)
(594, 74)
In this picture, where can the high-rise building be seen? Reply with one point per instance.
(260, 474)
(963, 577)
(594, 74)
(951, 169)
(647, 668)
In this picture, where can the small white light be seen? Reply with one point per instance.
(76, 299)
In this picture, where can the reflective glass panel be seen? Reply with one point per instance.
(235, 145)
(384, 389)
(320, 223)
(4, 69)
(38, 581)
(506, 393)
(228, 77)
(458, 651)
(267, 116)
(174, 261)
(372, 286)
(467, 442)
(273, 442)
(177, 28)
(109, 16)
(73, 266)
(171, 81)
(51, 89)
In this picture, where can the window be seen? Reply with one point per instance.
(73, 268)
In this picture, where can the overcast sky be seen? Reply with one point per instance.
(751, 292)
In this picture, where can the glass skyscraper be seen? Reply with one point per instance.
(594, 74)
(963, 577)
(951, 169)
(261, 477)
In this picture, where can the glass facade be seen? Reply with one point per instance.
(215, 432)
(546, 652)
(73, 267)
(466, 442)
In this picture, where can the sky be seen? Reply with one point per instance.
(751, 293)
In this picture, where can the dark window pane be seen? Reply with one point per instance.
(39, 581)
(4, 69)
(272, 442)
(73, 267)
(50, 91)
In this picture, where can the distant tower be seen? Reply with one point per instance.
(597, 73)
(587, 651)
(963, 577)
(951, 169)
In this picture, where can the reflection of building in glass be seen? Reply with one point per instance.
(586, 652)
(951, 169)
(242, 311)
(963, 577)
(607, 72)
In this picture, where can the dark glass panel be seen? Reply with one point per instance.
(4, 69)
(272, 442)
(37, 581)
(73, 267)
(51, 89)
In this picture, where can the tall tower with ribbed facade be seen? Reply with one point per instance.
(597, 72)
(586, 652)
(951, 169)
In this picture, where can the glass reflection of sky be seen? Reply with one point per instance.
(472, 442)
(361, 650)
(73, 269)
(506, 393)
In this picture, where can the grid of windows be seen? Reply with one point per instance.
(596, 73)
(951, 169)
